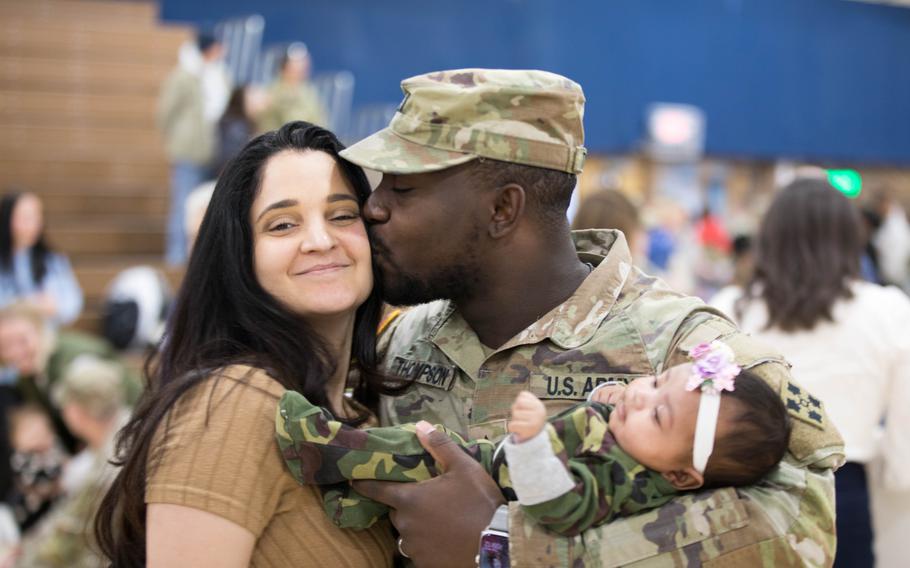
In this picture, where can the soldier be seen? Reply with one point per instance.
(92, 396)
(469, 223)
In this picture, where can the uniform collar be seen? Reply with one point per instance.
(570, 324)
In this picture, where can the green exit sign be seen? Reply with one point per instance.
(848, 182)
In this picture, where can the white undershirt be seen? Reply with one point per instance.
(537, 475)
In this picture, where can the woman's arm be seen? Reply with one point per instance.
(896, 445)
(62, 288)
(183, 536)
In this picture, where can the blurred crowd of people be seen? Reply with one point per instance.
(205, 120)
(63, 396)
(824, 280)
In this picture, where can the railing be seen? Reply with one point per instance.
(336, 91)
(368, 119)
(265, 69)
(242, 39)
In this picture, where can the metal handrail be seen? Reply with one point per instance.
(242, 39)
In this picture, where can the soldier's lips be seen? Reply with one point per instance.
(380, 253)
(380, 258)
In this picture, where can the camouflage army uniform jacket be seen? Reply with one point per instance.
(608, 482)
(64, 538)
(621, 324)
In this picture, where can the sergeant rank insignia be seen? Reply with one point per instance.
(804, 406)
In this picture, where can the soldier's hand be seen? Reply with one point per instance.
(440, 519)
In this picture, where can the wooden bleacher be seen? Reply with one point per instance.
(79, 82)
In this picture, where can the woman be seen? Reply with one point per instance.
(278, 296)
(847, 340)
(29, 270)
(235, 128)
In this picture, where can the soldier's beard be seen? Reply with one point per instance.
(456, 282)
(458, 279)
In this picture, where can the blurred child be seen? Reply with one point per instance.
(37, 462)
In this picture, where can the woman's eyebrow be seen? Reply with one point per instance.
(340, 197)
(278, 205)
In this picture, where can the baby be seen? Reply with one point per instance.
(629, 449)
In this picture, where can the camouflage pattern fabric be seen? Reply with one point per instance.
(619, 325)
(291, 102)
(320, 450)
(452, 117)
(64, 538)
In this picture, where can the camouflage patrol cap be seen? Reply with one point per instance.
(452, 117)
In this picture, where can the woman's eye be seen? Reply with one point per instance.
(279, 227)
(401, 189)
(656, 416)
(346, 216)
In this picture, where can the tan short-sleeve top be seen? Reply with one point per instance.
(219, 455)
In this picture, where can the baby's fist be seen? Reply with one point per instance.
(528, 417)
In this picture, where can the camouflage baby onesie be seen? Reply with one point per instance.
(608, 483)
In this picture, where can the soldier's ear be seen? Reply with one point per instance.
(507, 207)
(684, 479)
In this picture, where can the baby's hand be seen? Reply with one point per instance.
(528, 417)
(608, 394)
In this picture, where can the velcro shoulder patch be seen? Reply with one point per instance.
(803, 406)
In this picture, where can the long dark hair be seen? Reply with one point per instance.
(222, 316)
(808, 252)
(39, 252)
(236, 108)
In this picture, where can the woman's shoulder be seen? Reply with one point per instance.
(232, 393)
(248, 377)
(884, 301)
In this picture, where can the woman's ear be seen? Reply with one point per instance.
(508, 206)
(684, 479)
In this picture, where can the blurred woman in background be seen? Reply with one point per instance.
(235, 129)
(30, 271)
(847, 340)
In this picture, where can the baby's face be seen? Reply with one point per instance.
(654, 420)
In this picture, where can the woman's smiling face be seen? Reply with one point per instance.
(310, 245)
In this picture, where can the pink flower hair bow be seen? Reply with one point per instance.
(713, 369)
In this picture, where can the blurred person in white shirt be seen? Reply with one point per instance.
(847, 341)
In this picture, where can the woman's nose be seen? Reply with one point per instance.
(316, 238)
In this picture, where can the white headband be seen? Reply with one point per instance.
(713, 371)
